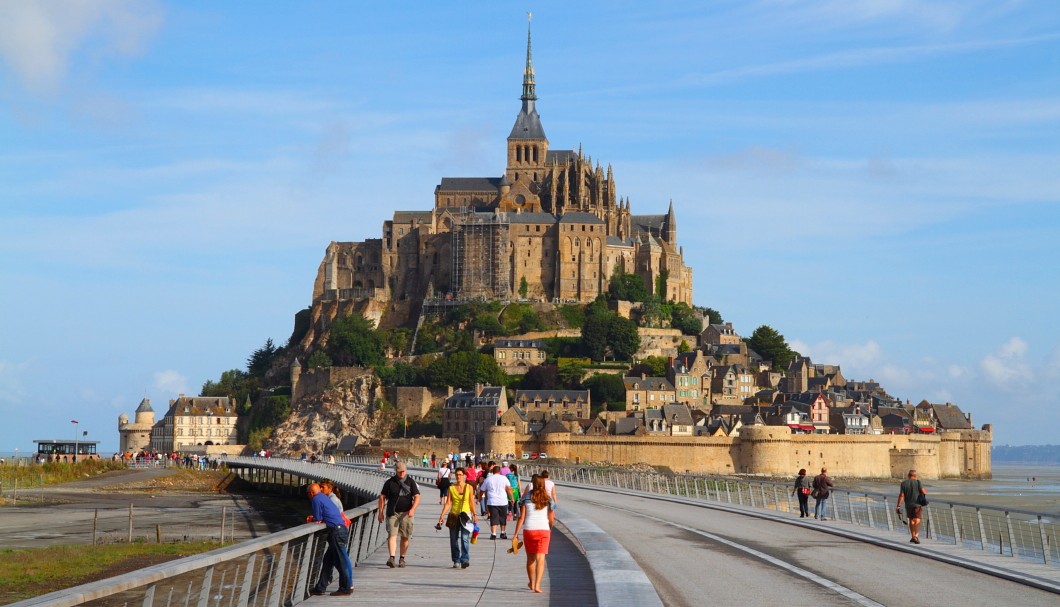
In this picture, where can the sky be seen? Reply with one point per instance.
(877, 180)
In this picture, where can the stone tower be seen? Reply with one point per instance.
(136, 437)
(527, 145)
(296, 374)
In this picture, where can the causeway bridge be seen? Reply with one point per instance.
(622, 538)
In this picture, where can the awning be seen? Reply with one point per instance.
(927, 430)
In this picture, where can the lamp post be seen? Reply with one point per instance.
(74, 422)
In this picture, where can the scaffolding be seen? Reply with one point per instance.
(480, 255)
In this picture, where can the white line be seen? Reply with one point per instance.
(813, 577)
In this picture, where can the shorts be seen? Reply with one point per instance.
(498, 515)
(913, 510)
(399, 523)
(536, 540)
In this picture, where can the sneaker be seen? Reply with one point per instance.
(390, 562)
(493, 536)
(341, 592)
(504, 536)
(465, 565)
(315, 592)
(401, 562)
(456, 565)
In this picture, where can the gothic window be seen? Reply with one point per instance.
(519, 154)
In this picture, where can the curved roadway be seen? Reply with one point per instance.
(697, 555)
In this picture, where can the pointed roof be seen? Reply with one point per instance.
(145, 406)
(528, 123)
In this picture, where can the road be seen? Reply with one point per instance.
(700, 556)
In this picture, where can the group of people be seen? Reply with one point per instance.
(495, 491)
(911, 494)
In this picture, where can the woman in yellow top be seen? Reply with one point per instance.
(459, 500)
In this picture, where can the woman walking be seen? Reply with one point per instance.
(443, 481)
(822, 488)
(802, 489)
(535, 521)
(459, 503)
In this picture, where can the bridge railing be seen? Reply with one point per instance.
(1016, 533)
(272, 571)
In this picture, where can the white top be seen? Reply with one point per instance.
(536, 520)
(496, 489)
(444, 472)
(335, 500)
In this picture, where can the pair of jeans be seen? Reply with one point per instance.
(460, 544)
(804, 503)
(820, 509)
(336, 557)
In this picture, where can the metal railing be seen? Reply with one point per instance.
(1016, 533)
(272, 571)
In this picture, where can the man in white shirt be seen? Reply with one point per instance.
(498, 492)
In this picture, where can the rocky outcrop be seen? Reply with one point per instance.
(318, 420)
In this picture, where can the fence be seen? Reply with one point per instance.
(270, 571)
(1015, 533)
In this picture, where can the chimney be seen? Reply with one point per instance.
(644, 376)
(729, 325)
(478, 389)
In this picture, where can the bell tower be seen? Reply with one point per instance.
(527, 144)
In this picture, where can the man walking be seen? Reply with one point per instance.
(910, 492)
(398, 501)
(498, 492)
(822, 488)
(335, 557)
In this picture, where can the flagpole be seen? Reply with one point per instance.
(74, 422)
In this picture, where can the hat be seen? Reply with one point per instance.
(505, 464)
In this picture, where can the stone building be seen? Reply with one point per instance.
(194, 423)
(135, 437)
(547, 404)
(516, 356)
(550, 227)
(468, 415)
(648, 392)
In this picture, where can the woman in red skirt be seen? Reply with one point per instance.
(535, 521)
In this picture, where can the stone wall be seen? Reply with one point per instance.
(413, 448)
(315, 381)
(773, 451)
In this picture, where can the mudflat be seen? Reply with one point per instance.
(168, 503)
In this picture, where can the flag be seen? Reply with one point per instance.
(73, 421)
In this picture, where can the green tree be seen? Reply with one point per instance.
(235, 384)
(713, 316)
(683, 347)
(260, 361)
(353, 341)
(541, 377)
(685, 319)
(595, 330)
(660, 284)
(606, 387)
(400, 373)
(623, 337)
(627, 287)
(523, 287)
(770, 344)
(318, 359)
(464, 370)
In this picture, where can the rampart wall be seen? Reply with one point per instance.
(773, 451)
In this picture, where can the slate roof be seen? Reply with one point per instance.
(580, 217)
(627, 425)
(518, 343)
(951, 417)
(469, 184)
(554, 395)
(648, 223)
(489, 397)
(531, 218)
(648, 383)
(527, 124)
(615, 241)
(201, 405)
(677, 414)
(145, 406)
(560, 156)
(554, 425)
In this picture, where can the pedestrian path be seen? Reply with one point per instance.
(494, 578)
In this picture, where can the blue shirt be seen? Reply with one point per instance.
(324, 510)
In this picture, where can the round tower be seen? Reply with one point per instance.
(764, 450)
(296, 374)
(500, 440)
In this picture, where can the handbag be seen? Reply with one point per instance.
(921, 499)
(804, 490)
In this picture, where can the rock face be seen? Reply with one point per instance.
(319, 419)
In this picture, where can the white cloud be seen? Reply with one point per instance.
(958, 371)
(857, 358)
(38, 39)
(171, 382)
(1006, 368)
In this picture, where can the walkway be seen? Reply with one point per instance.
(495, 578)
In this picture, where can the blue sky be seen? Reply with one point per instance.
(877, 180)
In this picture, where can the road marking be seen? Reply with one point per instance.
(813, 577)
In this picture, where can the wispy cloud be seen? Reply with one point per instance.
(12, 387)
(38, 39)
(1006, 368)
(170, 381)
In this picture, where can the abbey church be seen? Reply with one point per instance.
(551, 228)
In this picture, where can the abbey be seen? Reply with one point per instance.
(550, 228)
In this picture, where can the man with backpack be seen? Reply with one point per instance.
(915, 497)
(397, 503)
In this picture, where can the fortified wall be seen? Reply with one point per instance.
(771, 451)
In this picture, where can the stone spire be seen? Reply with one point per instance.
(528, 123)
(529, 92)
(671, 225)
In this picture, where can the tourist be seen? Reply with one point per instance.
(802, 488)
(550, 487)
(335, 556)
(443, 481)
(513, 480)
(399, 499)
(459, 503)
(434, 459)
(910, 492)
(327, 487)
(822, 488)
(497, 492)
(535, 522)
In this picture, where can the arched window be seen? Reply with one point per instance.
(519, 153)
